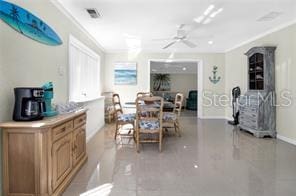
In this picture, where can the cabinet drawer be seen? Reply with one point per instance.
(250, 114)
(61, 130)
(80, 120)
(248, 118)
(249, 109)
(247, 122)
(250, 125)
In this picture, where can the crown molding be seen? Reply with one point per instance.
(157, 51)
(278, 28)
(64, 11)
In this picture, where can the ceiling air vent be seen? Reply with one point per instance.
(269, 17)
(93, 13)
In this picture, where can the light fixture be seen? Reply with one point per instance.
(195, 166)
(184, 68)
(210, 42)
(216, 13)
(199, 19)
(207, 21)
(209, 9)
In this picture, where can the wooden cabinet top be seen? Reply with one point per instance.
(46, 122)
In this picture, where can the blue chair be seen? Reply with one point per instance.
(191, 101)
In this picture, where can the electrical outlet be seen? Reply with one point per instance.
(61, 71)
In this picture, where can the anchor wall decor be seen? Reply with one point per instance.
(215, 79)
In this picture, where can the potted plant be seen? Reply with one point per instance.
(161, 82)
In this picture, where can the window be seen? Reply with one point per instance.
(84, 72)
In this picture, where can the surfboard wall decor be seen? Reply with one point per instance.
(28, 24)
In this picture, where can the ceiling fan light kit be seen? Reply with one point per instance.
(181, 36)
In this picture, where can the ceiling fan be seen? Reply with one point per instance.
(181, 36)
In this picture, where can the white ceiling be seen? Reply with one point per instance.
(132, 24)
(173, 67)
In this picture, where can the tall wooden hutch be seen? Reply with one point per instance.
(257, 106)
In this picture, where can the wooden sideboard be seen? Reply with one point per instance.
(41, 157)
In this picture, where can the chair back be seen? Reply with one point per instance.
(117, 105)
(144, 94)
(178, 103)
(192, 95)
(154, 107)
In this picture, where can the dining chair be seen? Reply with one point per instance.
(171, 119)
(149, 128)
(145, 94)
(121, 118)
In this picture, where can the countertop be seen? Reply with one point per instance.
(46, 122)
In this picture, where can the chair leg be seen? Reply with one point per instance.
(137, 140)
(178, 127)
(116, 130)
(175, 126)
(160, 141)
(134, 133)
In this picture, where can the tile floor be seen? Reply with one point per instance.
(210, 159)
(188, 113)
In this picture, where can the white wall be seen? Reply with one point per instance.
(128, 93)
(25, 62)
(182, 83)
(285, 62)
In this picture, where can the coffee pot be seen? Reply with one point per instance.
(29, 104)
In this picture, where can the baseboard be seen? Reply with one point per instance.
(228, 118)
(93, 133)
(213, 117)
(285, 139)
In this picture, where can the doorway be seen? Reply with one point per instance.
(166, 78)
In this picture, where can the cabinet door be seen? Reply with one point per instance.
(62, 159)
(79, 144)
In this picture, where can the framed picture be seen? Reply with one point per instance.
(125, 73)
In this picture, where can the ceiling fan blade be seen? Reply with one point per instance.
(189, 43)
(170, 44)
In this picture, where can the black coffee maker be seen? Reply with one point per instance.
(29, 104)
